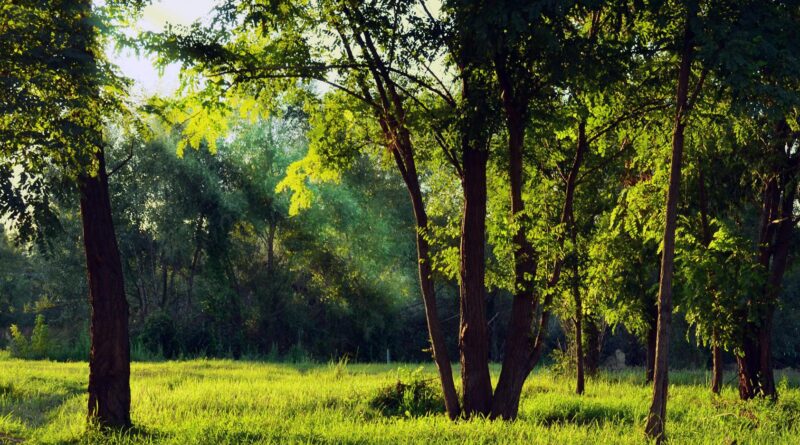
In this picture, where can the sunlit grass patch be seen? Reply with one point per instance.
(229, 402)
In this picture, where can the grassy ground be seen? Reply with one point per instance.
(220, 401)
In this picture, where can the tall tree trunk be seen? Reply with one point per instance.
(655, 427)
(519, 337)
(437, 339)
(109, 359)
(473, 340)
(391, 120)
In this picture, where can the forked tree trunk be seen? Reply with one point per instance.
(473, 340)
(109, 359)
(655, 427)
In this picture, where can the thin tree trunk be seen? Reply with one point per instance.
(580, 384)
(437, 339)
(716, 350)
(576, 291)
(650, 354)
(399, 142)
(109, 359)
(717, 365)
(655, 427)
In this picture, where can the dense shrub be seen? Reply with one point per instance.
(415, 398)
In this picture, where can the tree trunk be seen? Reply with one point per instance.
(579, 387)
(650, 354)
(109, 359)
(748, 366)
(656, 418)
(437, 339)
(519, 337)
(592, 332)
(399, 143)
(717, 365)
(473, 340)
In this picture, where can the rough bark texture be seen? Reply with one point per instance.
(655, 427)
(473, 339)
(109, 359)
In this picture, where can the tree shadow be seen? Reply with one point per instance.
(33, 408)
(583, 414)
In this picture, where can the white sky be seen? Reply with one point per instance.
(154, 18)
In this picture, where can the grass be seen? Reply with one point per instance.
(227, 402)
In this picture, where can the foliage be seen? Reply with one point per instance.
(38, 346)
(416, 397)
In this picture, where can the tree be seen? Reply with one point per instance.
(56, 91)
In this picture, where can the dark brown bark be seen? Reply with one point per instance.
(716, 366)
(519, 339)
(438, 345)
(473, 339)
(650, 353)
(391, 115)
(655, 427)
(109, 359)
(777, 223)
(748, 367)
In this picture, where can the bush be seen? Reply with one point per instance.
(19, 346)
(419, 397)
(39, 346)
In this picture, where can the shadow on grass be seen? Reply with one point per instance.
(583, 414)
(33, 408)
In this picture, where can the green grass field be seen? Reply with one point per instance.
(221, 401)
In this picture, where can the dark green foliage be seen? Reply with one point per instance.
(417, 396)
